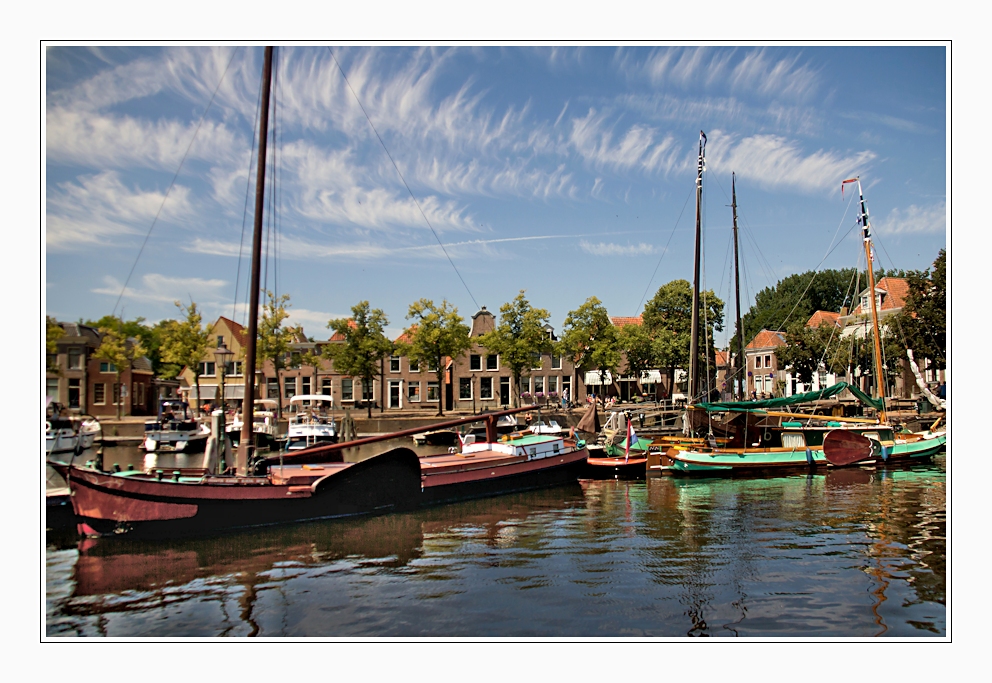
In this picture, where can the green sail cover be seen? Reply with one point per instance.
(792, 400)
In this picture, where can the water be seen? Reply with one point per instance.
(851, 553)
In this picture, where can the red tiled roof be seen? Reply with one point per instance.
(405, 338)
(338, 337)
(721, 358)
(823, 318)
(767, 339)
(896, 288)
(620, 321)
(237, 329)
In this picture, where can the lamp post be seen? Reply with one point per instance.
(222, 355)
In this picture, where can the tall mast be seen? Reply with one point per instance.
(694, 341)
(866, 238)
(737, 288)
(247, 410)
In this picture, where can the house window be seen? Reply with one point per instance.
(220, 340)
(538, 385)
(768, 361)
(555, 362)
(52, 388)
(141, 394)
(757, 361)
(368, 391)
(492, 362)
(465, 388)
(414, 365)
(272, 388)
(99, 393)
(474, 362)
(413, 392)
(524, 384)
(208, 369)
(325, 386)
(75, 359)
(233, 369)
(289, 387)
(536, 361)
(394, 363)
(347, 389)
(108, 367)
(552, 385)
(306, 385)
(431, 366)
(134, 393)
(486, 388)
(433, 395)
(74, 393)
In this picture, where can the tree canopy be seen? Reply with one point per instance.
(436, 332)
(365, 344)
(923, 319)
(120, 350)
(273, 338)
(185, 342)
(519, 335)
(53, 332)
(589, 339)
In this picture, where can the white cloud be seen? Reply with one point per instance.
(774, 161)
(96, 209)
(592, 138)
(611, 249)
(915, 219)
(159, 288)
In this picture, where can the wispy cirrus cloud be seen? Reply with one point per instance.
(612, 249)
(159, 288)
(638, 147)
(915, 220)
(96, 209)
(774, 161)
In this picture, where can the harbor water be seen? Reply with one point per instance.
(854, 552)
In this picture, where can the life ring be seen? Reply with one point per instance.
(48, 426)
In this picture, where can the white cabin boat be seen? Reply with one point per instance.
(263, 424)
(311, 424)
(175, 429)
(65, 434)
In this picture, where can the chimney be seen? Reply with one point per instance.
(843, 311)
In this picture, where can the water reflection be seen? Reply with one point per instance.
(842, 553)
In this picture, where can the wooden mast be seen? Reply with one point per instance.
(866, 238)
(247, 410)
(741, 358)
(694, 341)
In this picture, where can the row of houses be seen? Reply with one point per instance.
(474, 381)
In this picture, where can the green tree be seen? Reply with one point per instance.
(53, 332)
(805, 348)
(311, 358)
(668, 317)
(519, 335)
(273, 339)
(589, 339)
(185, 342)
(365, 344)
(151, 339)
(121, 351)
(636, 343)
(923, 320)
(437, 332)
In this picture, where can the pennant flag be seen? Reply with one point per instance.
(631, 439)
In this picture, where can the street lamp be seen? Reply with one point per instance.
(222, 355)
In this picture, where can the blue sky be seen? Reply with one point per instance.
(567, 172)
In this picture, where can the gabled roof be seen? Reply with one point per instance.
(405, 338)
(722, 358)
(896, 290)
(338, 337)
(621, 321)
(237, 329)
(767, 339)
(824, 318)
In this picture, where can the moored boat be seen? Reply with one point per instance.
(175, 429)
(68, 434)
(310, 425)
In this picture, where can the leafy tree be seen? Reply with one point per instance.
(805, 348)
(365, 344)
(437, 332)
(668, 317)
(923, 319)
(273, 338)
(311, 358)
(121, 351)
(635, 341)
(53, 332)
(151, 339)
(185, 342)
(589, 339)
(519, 335)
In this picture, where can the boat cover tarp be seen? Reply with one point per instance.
(807, 397)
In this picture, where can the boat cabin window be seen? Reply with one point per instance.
(793, 440)
(871, 435)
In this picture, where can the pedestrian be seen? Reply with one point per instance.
(942, 391)
(564, 398)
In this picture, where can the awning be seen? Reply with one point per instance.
(234, 392)
(208, 390)
(593, 379)
(649, 377)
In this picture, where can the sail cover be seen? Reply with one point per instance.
(723, 406)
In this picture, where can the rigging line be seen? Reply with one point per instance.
(833, 331)
(665, 251)
(413, 196)
(173, 183)
(244, 215)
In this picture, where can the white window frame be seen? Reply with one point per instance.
(475, 362)
(394, 363)
(347, 390)
(286, 389)
(107, 368)
(555, 362)
(414, 365)
(495, 367)
(471, 388)
(433, 385)
(79, 357)
(208, 368)
(482, 393)
(102, 399)
(413, 386)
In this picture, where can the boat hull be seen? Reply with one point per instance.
(616, 467)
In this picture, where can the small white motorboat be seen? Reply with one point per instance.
(311, 424)
(175, 429)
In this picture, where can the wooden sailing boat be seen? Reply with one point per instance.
(313, 483)
(761, 438)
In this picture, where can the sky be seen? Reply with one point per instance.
(568, 172)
